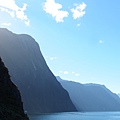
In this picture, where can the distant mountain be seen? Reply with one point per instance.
(91, 97)
(41, 92)
(119, 94)
(11, 107)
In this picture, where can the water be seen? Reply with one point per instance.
(78, 116)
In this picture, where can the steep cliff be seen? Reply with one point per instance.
(11, 107)
(91, 97)
(41, 92)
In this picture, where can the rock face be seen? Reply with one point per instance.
(41, 92)
(11, 107)
(91, 97)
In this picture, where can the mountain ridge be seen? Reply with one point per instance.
(40, 91)
(91, 97)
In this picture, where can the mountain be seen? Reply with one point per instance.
(11, 107)
(91, 97)
(40, 91)
(119, 94)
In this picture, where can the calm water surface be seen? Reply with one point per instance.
(78, 116)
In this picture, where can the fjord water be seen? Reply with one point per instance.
(78, 116)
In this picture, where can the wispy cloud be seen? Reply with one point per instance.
(76, 74)
(73, 73)
(53, 8)
(11, 13)
(53, 58)
(78, 24)
(10, 7)
(78, 11)
(101, 41)
(68, 72)
(6, 24)
(65, 72)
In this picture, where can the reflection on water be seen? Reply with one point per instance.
(78, 116)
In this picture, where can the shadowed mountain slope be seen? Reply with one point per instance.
(41, 92)
(91, 97)
(11, 107)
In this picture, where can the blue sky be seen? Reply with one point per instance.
(79, 39)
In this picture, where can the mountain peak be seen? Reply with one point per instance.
(41, 92)
(58, 78)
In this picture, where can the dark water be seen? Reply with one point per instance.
(78, 116)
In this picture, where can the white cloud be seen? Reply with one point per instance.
(27, 22)
(66, 72)
(12, 14)
(73, 72)
(77, 74)
(53, 58)
(78, 24)
(101, 41)
(10, 7)
(79, 10)
(53, 8)
(6, 24)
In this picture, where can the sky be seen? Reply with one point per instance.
(79, 39)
